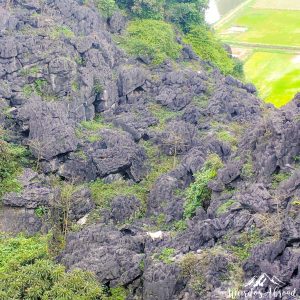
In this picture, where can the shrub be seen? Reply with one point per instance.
(186, 14)
(61, 31)
(151, 39)
(183, 13)
(198, 192)
(26, 272)
(166, 255)
(106, 7)
(278, 178)
(118, 293)
(223, 208)
(148, 9)
(11, 159)
(245, 243)
(103, 193)
(248, 169)
(162, 114)
(227, 136)
(209, 48)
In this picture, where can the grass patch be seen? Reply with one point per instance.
(27, 272)
(89, 130)
(276, 75)
(205, 44)
(12, 159)
(166, 255)
(39, 87)
(103, 193)
(278, 178)
(32, 71)
(162, 114)
(223, 208)
(245, 243)
(106, 7)
(248, 169)
(198, 193)
(151, 39)
(61, 32)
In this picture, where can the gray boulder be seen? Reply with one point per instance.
(124, 208)
(118, 153)
(257, 199)
(50, 130)
(115, 257)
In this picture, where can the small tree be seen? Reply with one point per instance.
(176, 141)
(60, 213)
(37, 147)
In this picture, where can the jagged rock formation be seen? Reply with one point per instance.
(59, 66)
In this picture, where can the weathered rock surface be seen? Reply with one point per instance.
(114, 256)
(87, 111)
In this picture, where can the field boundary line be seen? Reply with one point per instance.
(263, 46)
(231, 14)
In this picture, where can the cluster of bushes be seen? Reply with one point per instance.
(28, 272)
(151, 33)
(183, 13)
(12, 157)
(152, 40)
(206, 45)
(198, 192)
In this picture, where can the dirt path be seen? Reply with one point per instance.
(293, 49)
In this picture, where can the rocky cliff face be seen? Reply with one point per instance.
(87, 111)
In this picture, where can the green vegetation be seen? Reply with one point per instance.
(27, 272)
(201, 101)
(160, 224)
(106, 7)
(198, 193)
(39, 87)
(247, 169)
(223, 208)
(227, 136)
(245, 243)
(162, 114)
(228, 132)
(98, 87)
(195, 266)
(117, 293)
(184, 13)
(277, 75)
(205, 44)
(265, 34)
(278, 178)
(61, 31)
(264, 26)
(32, 71)
(90, 129)
(94, 125)
(152, 39)
(166, 255)
(296, 202)
(12, 158)
(103, 193)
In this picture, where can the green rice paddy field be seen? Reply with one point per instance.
(277, 75)
(271, 32)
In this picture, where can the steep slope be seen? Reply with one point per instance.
(176, 181)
